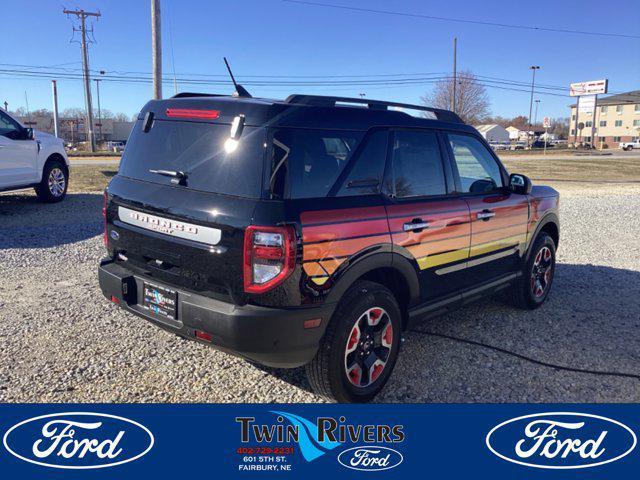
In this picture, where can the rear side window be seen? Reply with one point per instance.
(198, 149)
(365, 177)
(306, 163)
(478, 170)
(417, 164)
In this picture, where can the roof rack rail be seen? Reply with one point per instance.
(195, 94)
(327, 101)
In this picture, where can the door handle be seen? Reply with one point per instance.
(485, 215)
(415, 225)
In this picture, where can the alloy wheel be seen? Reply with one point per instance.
(541, 272)
(368, 347)
(56, 182)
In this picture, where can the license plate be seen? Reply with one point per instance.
(160, 301)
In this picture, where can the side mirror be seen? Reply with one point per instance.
(519, 183)
(28, 133)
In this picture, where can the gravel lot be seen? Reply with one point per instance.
(61, 341)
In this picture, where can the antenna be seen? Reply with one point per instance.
(240, 90)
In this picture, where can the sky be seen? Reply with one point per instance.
(295, 41)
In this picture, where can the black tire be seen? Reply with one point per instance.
(55, 181)
(530, 293)
(327, 372)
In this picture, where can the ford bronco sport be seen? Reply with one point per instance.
(313, 231)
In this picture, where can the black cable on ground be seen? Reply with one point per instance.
(525, 358)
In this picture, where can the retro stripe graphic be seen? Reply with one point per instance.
(454, 234)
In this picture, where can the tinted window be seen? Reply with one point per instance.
(478, 170)
(306, 163)
(417, 164)
(366, 174)
(8, 127)
(197, 149)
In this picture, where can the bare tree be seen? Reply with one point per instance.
(472, 102)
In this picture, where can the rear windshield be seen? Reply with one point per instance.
(197, 149)
(306, 163)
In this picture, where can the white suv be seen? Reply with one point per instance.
(32, 159)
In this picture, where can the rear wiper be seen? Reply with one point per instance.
(178, 177)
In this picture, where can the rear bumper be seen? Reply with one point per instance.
(272, 337)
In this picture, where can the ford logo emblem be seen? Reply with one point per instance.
(561, 440)
(370, 458)
(115, 235)
(78, 440)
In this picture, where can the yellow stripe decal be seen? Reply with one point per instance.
(497, 244)
(449, 257)
(442, 258)
(320, 280)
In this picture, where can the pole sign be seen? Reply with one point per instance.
(592, 87)
(587, 103)
(546, 123)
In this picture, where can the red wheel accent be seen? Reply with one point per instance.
(388, 334)
(377, 370)
(353, 339)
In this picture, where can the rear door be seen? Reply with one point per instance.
(427, 225)
(498, 216)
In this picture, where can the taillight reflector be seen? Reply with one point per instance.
(207, 337)
(192, 113)
(269, 257)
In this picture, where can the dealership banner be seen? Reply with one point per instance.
(315, 441)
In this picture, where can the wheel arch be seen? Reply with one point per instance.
(391, 270)
(549, 225)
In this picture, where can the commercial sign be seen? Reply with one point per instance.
(587, 103)
(318, 441)
(546, 123)
(592, 87)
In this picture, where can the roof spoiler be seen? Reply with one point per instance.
(326, 101)
(194, 94)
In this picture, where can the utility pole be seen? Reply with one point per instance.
(82, 15)
(97, 80)
(54, 91)
(455, 61)
(533, 82)
(535, 115)
(156, 49)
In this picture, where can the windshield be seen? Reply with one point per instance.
(198, 150)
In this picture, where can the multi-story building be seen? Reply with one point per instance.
(617, 119)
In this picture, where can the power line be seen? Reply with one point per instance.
(461, 20)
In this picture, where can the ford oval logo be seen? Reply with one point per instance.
(114, 235)
(78, 440)
(561, 440)
(369, 458)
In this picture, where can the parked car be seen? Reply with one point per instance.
(31, 158)
(500, 145)
(313, 231)
(626, 146)
(540, 144)
(520, 145)
(115, 146)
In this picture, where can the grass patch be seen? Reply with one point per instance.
(94, 178)
(601, 170)
(90, 178)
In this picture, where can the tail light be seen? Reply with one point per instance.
(269, 257)
(105, 237)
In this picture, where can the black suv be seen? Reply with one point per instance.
(313, 231)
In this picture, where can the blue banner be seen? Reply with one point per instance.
(315, 441)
